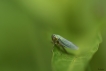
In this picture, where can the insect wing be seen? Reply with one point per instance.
(67, 43)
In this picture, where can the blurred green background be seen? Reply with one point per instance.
(26, 27)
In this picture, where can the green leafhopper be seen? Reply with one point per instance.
(58, 40)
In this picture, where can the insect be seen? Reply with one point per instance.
(58, 40)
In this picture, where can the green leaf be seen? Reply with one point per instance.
(75, 60)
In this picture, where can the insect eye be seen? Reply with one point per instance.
(53, 37)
